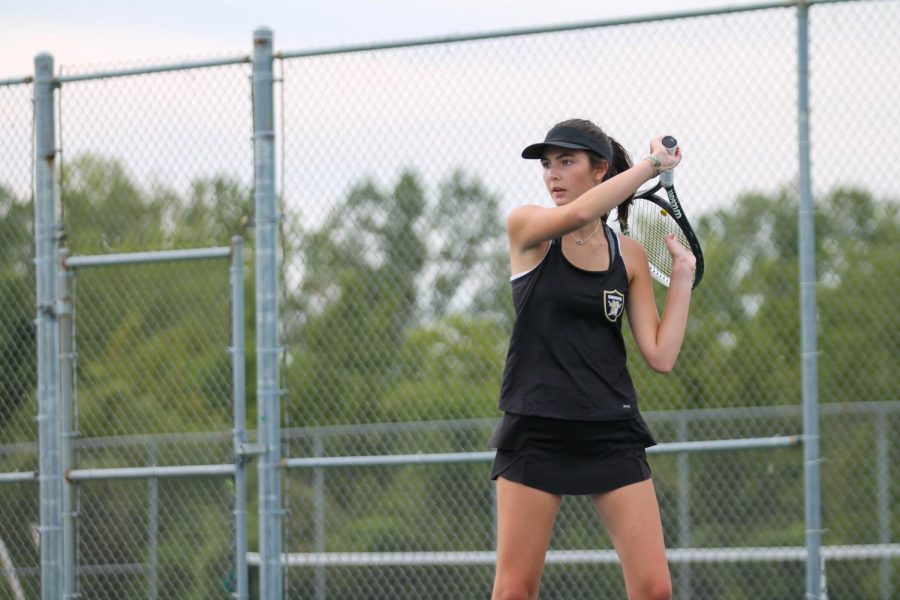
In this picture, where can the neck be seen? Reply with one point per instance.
(589, 231)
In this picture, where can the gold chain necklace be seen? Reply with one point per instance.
(581, 242)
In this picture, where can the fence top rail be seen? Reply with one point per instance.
(431, 41)
(17, 81)
(185, 66)
(452, 39)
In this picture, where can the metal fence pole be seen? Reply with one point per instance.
(806, 233)
(267, 349)
(684, 509)
(321, 590)
(153, 527)
(66, 382)
(242, 588)
(883, 483)
(46, 263)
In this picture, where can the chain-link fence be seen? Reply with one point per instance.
(395, 168)
(733, 521)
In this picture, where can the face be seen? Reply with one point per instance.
(568, 173)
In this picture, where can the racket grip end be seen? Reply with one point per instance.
(667, 178)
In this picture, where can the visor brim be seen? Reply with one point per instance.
(537, 150)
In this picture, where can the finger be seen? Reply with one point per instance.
(672, 245)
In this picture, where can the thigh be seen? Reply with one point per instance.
(525, 519)
(631, 515)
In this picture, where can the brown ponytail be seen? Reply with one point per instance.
(621, 162)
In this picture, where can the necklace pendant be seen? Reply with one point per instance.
(579, 242)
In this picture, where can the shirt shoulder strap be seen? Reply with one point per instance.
(613, 241)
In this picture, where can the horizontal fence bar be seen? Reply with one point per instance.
(470, 457)
(384, 460)
(880, 407)
(487, 557)
(202, 64)
(130, 258)
(433, 41)
(885, 407)
(18, 476)
(397, 459)
(781, 441)
(150, 472)
(17, 81)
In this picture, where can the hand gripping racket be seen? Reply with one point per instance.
(653, 217)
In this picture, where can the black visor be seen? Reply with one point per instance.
(570, 137)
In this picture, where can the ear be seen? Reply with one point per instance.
(601, 171)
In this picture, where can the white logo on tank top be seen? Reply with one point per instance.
(614, 303)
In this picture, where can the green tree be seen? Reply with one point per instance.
(358, 295)
(467, 260)
(382, 265)
(17, 335)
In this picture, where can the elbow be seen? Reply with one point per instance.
(580, 217)
(662, 365)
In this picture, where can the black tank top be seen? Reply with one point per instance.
(566, 357)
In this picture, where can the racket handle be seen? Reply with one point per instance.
(667, 178)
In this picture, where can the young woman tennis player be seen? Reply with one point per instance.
(571, 423)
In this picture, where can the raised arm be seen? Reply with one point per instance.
(531, 225)
(658, 339)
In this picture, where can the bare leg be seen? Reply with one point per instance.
(525, 519)
(631, 515)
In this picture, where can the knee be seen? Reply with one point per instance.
(656, 588)
(662, 591)
(514, 590)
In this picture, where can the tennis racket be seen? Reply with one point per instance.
(652, 217)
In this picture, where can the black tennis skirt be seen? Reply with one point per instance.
(567, 457)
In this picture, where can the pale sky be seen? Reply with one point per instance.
(104, 32)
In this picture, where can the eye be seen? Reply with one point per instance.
(545, 164)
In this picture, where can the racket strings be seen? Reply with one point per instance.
(649, 225)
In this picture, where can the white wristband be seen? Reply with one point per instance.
(654, 162)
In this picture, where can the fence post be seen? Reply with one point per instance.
(808, 333)
(321, 590)
(64, 312)
(267, 348)
(883, 484)
(242, 589)
(153, 526)
(684, 509)
(46, 264)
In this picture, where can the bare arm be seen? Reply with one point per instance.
(659, 340)
(530, 225)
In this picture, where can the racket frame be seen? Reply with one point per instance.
(672, 206)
